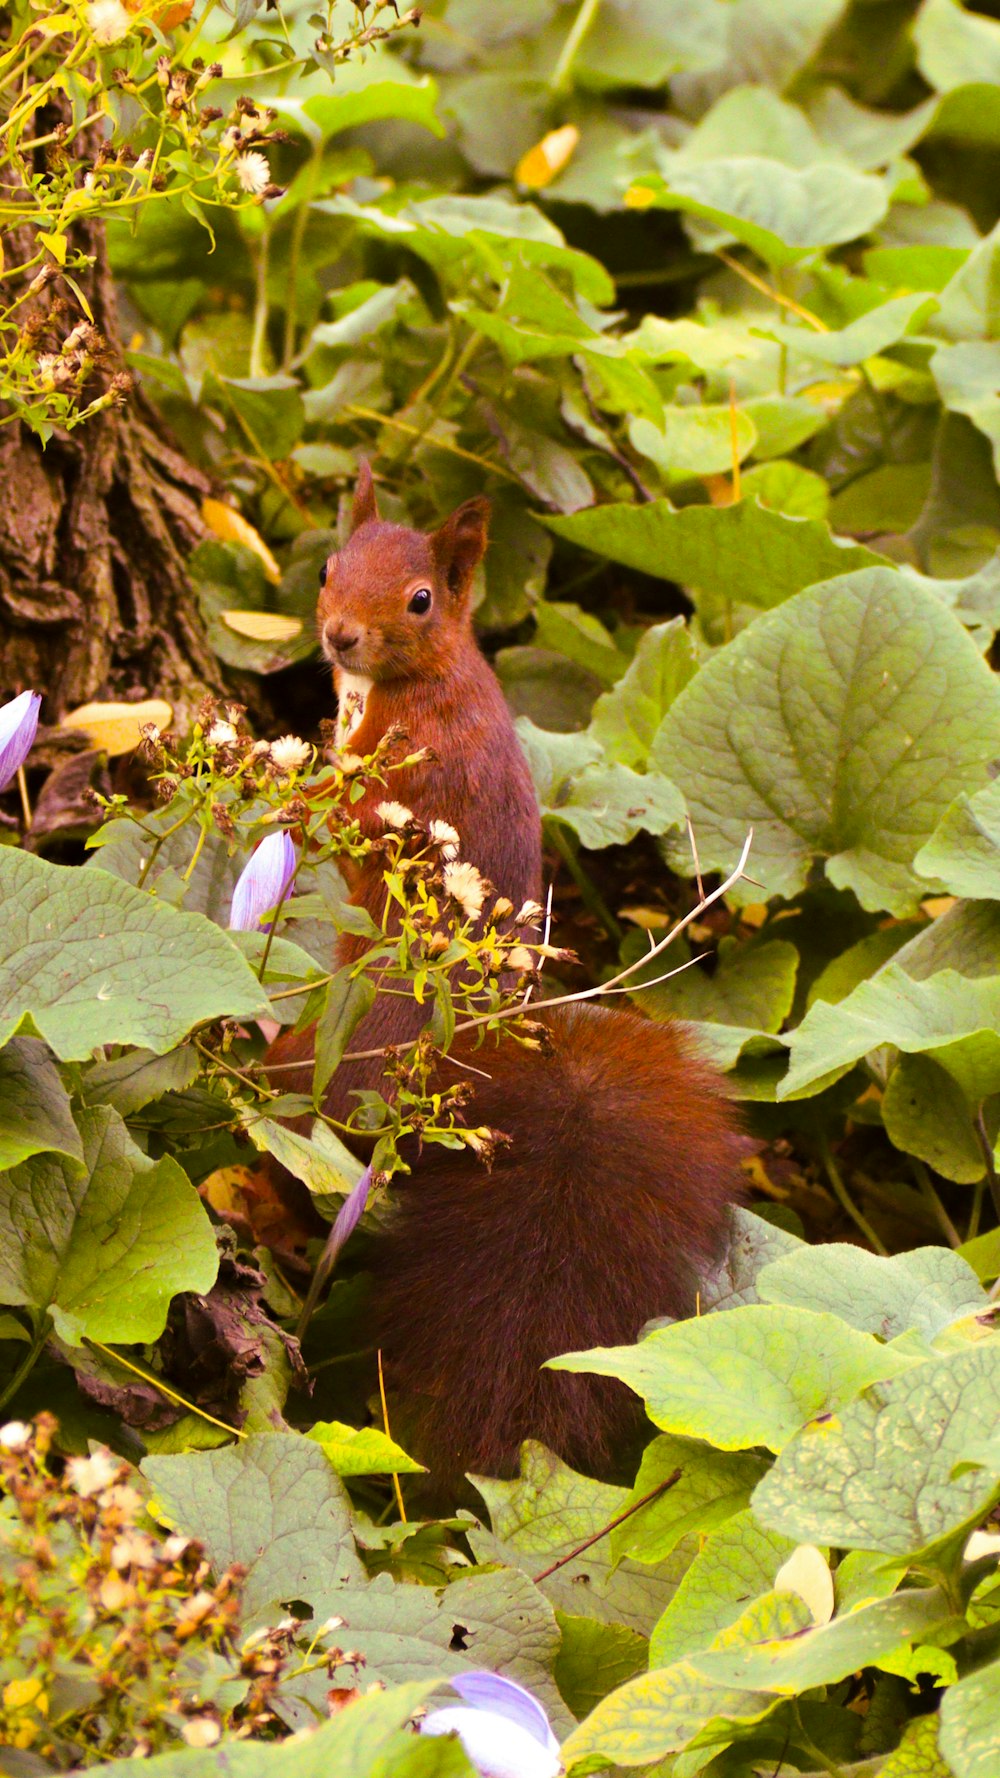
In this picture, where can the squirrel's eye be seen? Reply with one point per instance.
(421, 601)
(322, 575)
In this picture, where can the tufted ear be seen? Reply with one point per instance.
(460, 543)
(365, 506)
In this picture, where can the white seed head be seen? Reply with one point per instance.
(464, 884)
(108, 20)
(394, 814)
(288, 753)
(253, 172)
(445, 838)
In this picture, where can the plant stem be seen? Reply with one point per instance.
(593, 900)
(27, 1363)
(934, 1203)
(845, 1200)
(991, 1166)
(258, 339)
(560, 80)
(385, 1421)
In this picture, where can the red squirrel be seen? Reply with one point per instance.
(623, 1156)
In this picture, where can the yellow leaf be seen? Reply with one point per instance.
(232, 527)
(639, 197)
(541, 164)
(807, 1575)
(114, 728)
(56, 245)
(226, 1189)
(18, 1694)
(263, 626)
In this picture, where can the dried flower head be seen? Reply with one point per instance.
(443, 836)
(289, 754)
(464, 884)
(221, 734)
(253, 172)
(394, 814)
(91, 1475)
(530, 914)
(108, 20)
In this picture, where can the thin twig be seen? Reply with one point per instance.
(164, 1388)
(846, 1202)
(991, 1166)
(661, 1488)
(22, 785)
(513, 1012)
(931, 1198)
(694, 853)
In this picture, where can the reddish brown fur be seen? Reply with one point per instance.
(613, 1193)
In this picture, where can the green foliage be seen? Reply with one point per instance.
(705, 298)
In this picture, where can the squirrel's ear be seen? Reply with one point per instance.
(365, 506)
(460, 543)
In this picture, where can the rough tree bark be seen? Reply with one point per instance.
(95, 531)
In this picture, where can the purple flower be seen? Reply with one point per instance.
(502, 1728)
(349, 1215)
(262, 883)
(18, 722)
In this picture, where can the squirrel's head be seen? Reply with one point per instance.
(393, 600)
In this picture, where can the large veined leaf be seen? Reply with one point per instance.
(970, 1711)
(963, 852)
(736, 1562)
(711, 1487)
(968, 377)
(625, 719)
(35, 1112)
(104, 1247)
(948, 1017)
(752, 1377)
(92, 960)
(606, 804)
(745, 553)
(925, 1290)
(869, 334)
(955, 47)
(273, 1503)
(781, 212)
(548, 1513)
(881, 1476)
(838, 727)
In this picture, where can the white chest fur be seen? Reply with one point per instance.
(352, 696)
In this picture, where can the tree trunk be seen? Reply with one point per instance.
(95, 531)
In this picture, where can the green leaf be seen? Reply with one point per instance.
(969, 1714)
(954, 46)
(35, 1113)
(917, 1755)
(626, 719)
(361, 1450)
(870, 334)
(781, 212)
(658, 1713)
(348, 997)
(269, 411)
(745, 553)
(968, 377)
(605, 804)
(752, 985)
(926, 1113)
(135, 1078)
(787, 487)
(970, 302)
(823, 727)
(753, 1244)
(547, 1513)
(878, 1475)
(695, 440)
(487, 1620)
(923, 1291)
(752, 1377)
(102, 1249)
(94, 961)
(320, 1160)
(775, 1647)
(580, 637)
(366, 1740)
(272, 1503)
(713, 1485)
(594, 1658)
(324, 114)
(963, 852)
(948, 1017)
(736, 1563)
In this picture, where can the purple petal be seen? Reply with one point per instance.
(262, 882)
(497, 1747)
(349, 1215)
(504, 1697)
(18, 723)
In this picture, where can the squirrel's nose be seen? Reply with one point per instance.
(338, 639)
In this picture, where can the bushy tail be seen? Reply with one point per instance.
(602, 1212)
